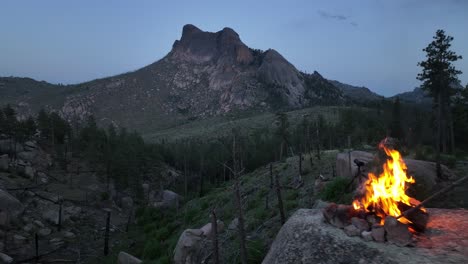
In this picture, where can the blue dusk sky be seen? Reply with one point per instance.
(372, 43)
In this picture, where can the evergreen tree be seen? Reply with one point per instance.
(438, 76)
(43, 124)
(396, 129)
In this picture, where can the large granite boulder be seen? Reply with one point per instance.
(125, 258)
(306, 238)
(345, 166)
(187, 250)
(10, 207)
(423, 171)
(4, 162)
(166, 199)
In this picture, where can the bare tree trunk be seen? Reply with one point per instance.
(185, 176)
(201, 177)
(60, 217)
(280, 200)
(452, 134)
(271, 175)
(300, 167)
(318, 143)
(438, 140)
(243, 248)
(214, 225)
(106, 234)
(281, 150)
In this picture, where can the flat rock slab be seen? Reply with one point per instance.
(306, 238)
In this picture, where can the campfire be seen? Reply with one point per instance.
(382, 210)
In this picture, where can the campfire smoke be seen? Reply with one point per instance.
(385, 194)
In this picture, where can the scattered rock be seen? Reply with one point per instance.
(4, 162)
(5, 259)
(27, 155)
(338, 215)
(207, 230)
(188, 246)
(38, 223)
(351, 231)
(28, 228)
(10, 208)
(43, 232)
(56, 242)
(49, 196)
(360, 224)
(170, 199)
(127, 203)
(397, 233)
(378, 233)
(19, 239)
(373, 219)
(43, 177)
(52, 216)
(125, 258)
(69, 235)
(30, 146)
(234, 224)
(72, 212)
(367, 235)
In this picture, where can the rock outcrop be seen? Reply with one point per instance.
(306, 238)
(205, 74)
(125, 258)
(423, 171)
(10, 208)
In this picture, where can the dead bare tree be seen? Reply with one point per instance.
(236, 171)
(271, 175)
(280, 200)
(106, 235)
(300, 166)
(214, 225)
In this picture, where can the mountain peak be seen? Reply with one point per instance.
(200, 46)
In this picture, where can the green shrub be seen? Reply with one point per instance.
(449, 160)
(104, 196)
(152, 250)
(334, 191)
(163, 233)
(424, 153)
(256, 251)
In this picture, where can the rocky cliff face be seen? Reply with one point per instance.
(205, 74)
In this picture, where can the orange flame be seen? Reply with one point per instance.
(383, 193)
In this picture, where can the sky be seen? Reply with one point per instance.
(372, 43)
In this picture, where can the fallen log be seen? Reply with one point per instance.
(430, 198)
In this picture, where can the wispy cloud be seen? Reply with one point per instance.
(339, 17)
(327, 15)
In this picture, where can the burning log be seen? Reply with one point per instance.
(412, 210)
(417, 218)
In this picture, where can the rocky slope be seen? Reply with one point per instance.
(357, 94)
(204, 74)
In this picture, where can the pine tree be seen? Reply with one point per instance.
(438, 76)
(396, 130)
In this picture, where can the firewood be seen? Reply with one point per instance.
(430, 198)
